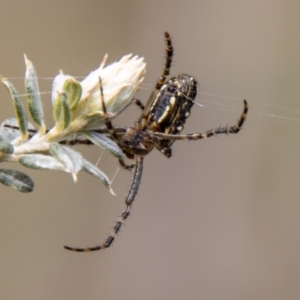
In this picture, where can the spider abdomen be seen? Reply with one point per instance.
(172, 105)
(171, 108)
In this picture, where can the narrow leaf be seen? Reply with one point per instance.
(61, 111)
(71, 159)
(57, 108)
(73, 90)
(105, 143)
(41, 162)
(17, 180)
(93, 170)
(66, 114)
(19, 110)
(33, 96)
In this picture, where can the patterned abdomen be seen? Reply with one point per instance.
(171, 107)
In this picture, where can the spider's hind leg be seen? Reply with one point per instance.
(197, 136)
(125, 214)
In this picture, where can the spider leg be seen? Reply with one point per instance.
(128, 201)
(165, 150)
(165, 73)
(168, 62)
(73, 142)
(138, 103)
(196, 136)
(69, 142)
(83, 141)
(110, 128)
(107, 120)
(17, 128)
(125, 166)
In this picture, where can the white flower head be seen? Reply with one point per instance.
(120, 81)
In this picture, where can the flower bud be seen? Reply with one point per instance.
(120, 81)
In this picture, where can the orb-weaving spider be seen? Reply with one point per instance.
(160, 124)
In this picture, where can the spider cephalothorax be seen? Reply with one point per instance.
(160, 124)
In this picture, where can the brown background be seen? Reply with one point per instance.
(221, 218)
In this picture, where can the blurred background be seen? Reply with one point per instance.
(221, 218)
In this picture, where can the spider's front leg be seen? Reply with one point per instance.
(138, 103)
(129, 200)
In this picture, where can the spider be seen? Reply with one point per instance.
(160, 124)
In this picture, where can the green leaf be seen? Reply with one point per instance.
(73, 90)
(41, 162)
(105, 143)
(93, 170)
(65, 114)
(19, 110)
(33, 96)
(71, 159)
(57, 108)
(17, 180)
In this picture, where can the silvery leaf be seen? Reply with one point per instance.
(40, 161)
(17, 180)
(93, 170)
(71, 159)
(19, 110)
(105, 143)
(33, 96)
